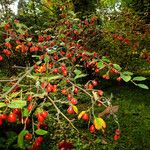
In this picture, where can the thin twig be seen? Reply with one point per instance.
(58, 110)
(20, 79)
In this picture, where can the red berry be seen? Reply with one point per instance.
(1, 122)
(49, 88)
(12, 117)
(97, 70)
(56, 70)
(73, 101)
(117, 132)
(92, 128)
(64, 91)
(70, 110)
(3, 116)
(1, 58)
(90, 86)
(44, 114)
(85, 117)
(100, 92)
(28, 136)
(16, 111)
(44, 84)
(116, 137)
(40, 118)
(119, 79)
(75, 90)
(69, 97)
(30, 97)
(30, 107)
(94, 82)
(65, 73)
(39, 139)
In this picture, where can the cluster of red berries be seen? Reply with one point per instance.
(36, 144)
(117, 134)
(122, 39)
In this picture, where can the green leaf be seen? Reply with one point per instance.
(8, 39)
(21, 138)
(116, 66)
(2, 104)
(143, 86)
(54, 77)
(77, 72)
(126, 78)
(80, 76)
(5, 89)
(100, 65)
(41, 132)
(17, 104)
(105, 59)
(29, 39)
(25, 112)
(127, 73)
(15, 94)
(140, 78)
(46, 58)
(35, 56)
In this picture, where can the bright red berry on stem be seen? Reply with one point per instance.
(64, 91)
(44, 114)
(69, 97)
(12, 117)
(30, 97)
(92, 128)
(85, 117)
(70, 110)
(100, 92)
(40, 118)
(75, 90)
(117, 132)
(94, 82)
(3, 116)
(28, 136)
(30, 107)
(1, 122)
(1, 58)
(49, 88)
(90, 86)
(44, 84)
(73, 101)
(116, 137)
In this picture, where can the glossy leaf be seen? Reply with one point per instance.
(41, 132)
(140, 78)
(17, 104)
(143, 86)
(21, 138)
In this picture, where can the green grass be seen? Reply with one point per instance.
(134, 116)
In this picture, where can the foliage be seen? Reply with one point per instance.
(126, 40)
(62, 72)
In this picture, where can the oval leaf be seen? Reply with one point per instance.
(21, 138)
(75, 109)
(81, 114)
(17, 104)
(140, 78)
(41, 132)
(143, 86)
(2, 104)
(99, 123)
(126, 78)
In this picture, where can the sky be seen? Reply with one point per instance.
(14, 7)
